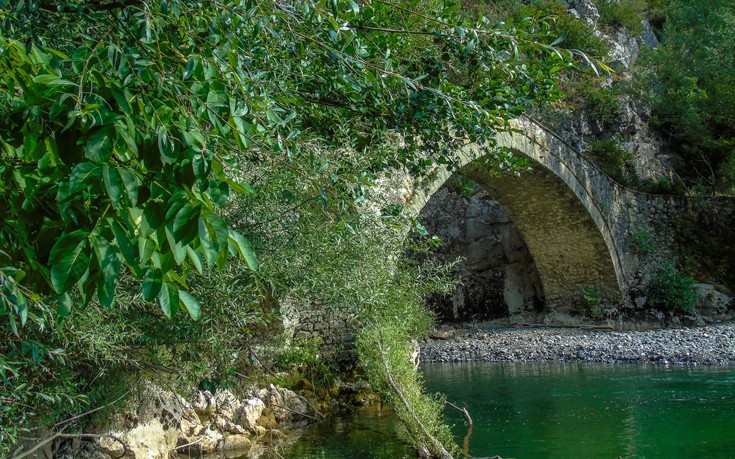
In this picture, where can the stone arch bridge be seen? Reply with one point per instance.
(578, 224)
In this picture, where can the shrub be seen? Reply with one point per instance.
(672, 291)
(662, 185)
(601, 104)
(578, 34)
(610, 157)
(622, 13)
(693, 98)
(593, 298)
(642, 242)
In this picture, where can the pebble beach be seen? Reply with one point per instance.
(710, 345)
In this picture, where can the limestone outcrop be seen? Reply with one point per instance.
(158, 422)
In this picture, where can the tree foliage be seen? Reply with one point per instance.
(145, 142)
(120, 141)
(694, 98)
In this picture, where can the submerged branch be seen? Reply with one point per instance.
(470, 425)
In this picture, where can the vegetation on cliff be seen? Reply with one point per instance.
(694, 91)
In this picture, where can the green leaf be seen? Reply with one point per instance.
(20, 306)
(82, 174)
(152, 284)
(184, 228)
(199, 165)
(99, 145)
(52, 80)
(353, 6)
(88, 285)
(64, 305)
(69, 260)
(217, 101)
(146, 249)
(168, 298)
(219, 226)
(106, 292)
(130, 182)
(244, 249)
(114, 57)
(240, 187)
(219, 192)
(153, 218)
(175, 203)
(166, 147)
(189, 68)
(177, 249)
(127, 133)
(242, 129)
(190, 304)
(122, 102)
(113, 184)
(195, 259)
(126, 246)
(107, 258)
(208, 244)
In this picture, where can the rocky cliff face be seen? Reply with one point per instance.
(626, 119)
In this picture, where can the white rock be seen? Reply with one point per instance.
(251, 412)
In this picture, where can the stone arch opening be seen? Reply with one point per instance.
(498, 272)
(556, 209)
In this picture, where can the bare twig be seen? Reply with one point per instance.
(306, 400)
(296, 412)
(19, 454)
(463, 411)
(86, 413)
(180, 448)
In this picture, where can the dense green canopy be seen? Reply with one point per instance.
(143, 142)
(126, 126)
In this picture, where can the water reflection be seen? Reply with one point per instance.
(370, 433)
(592, 410)
(554, 410)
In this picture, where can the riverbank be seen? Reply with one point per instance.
(711, 345)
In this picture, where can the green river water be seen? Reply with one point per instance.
(556, 410)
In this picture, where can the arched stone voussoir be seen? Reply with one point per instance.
(554, 207)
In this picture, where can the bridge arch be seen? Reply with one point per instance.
(554, 208)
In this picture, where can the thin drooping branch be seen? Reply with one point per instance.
(66, 422)
(295, 412)
(433, 445)
(87, 435)
(19, 453)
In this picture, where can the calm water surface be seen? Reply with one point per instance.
(558, 410)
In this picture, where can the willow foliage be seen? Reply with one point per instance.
(137, 138)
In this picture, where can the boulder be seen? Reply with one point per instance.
(283, 402)
(251, 413)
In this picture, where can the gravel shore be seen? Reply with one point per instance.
(711, 345)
